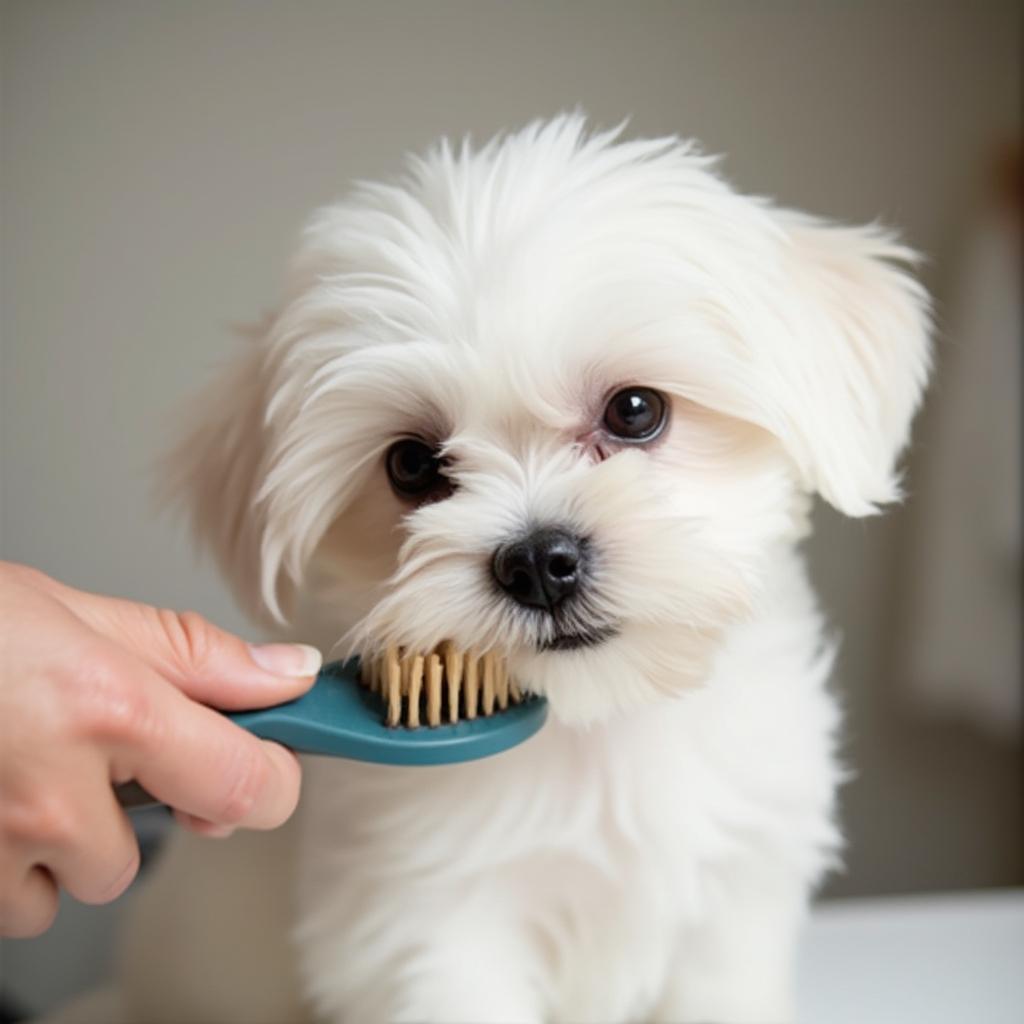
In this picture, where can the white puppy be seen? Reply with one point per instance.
(571, 395)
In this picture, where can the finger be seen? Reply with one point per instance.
(199, 762)
(205, 662)
(31, 906)
(102, 858)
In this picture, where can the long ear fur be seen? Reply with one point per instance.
(216, 469)
(858, 359)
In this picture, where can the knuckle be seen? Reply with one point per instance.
(26, 575)
(190, 636)
(246, 782)
(44, 822)
(108, 705)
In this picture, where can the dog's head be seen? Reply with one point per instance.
(564, 395)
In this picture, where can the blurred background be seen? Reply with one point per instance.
(158, 159)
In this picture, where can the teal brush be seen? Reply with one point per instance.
(400, 709)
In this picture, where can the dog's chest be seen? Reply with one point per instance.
(624, 871)
(586, 844)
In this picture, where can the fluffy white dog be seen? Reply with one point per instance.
(571, 395)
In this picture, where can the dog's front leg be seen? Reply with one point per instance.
(448, 968)
(484, 981)
(469, 975)
(737, 967)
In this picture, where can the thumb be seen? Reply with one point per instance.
(202, 660)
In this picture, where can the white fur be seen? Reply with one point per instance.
(649, 855)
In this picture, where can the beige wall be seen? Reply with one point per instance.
(158, 158)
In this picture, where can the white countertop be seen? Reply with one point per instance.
(949, 959)
(938, 959)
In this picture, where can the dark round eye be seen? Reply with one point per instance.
(414, 468)
(635, 414)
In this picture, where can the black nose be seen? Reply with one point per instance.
(541, 569)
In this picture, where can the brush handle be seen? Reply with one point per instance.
(338, 717)
(132, 797)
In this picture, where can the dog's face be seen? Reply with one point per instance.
(564, 397)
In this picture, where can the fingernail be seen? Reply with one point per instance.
(287, 659)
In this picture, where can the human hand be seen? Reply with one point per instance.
(96, 691)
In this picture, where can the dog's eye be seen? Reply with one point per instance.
(635, 414)
(414, 468)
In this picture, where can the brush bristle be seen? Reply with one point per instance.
(444, 684)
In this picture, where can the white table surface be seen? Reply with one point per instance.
(946, 959)
(950, 959)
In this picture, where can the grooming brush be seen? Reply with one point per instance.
(400, 708)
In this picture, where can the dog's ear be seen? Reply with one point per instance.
(216, 468)
(850, 360)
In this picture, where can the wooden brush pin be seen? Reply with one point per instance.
(422, 688)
